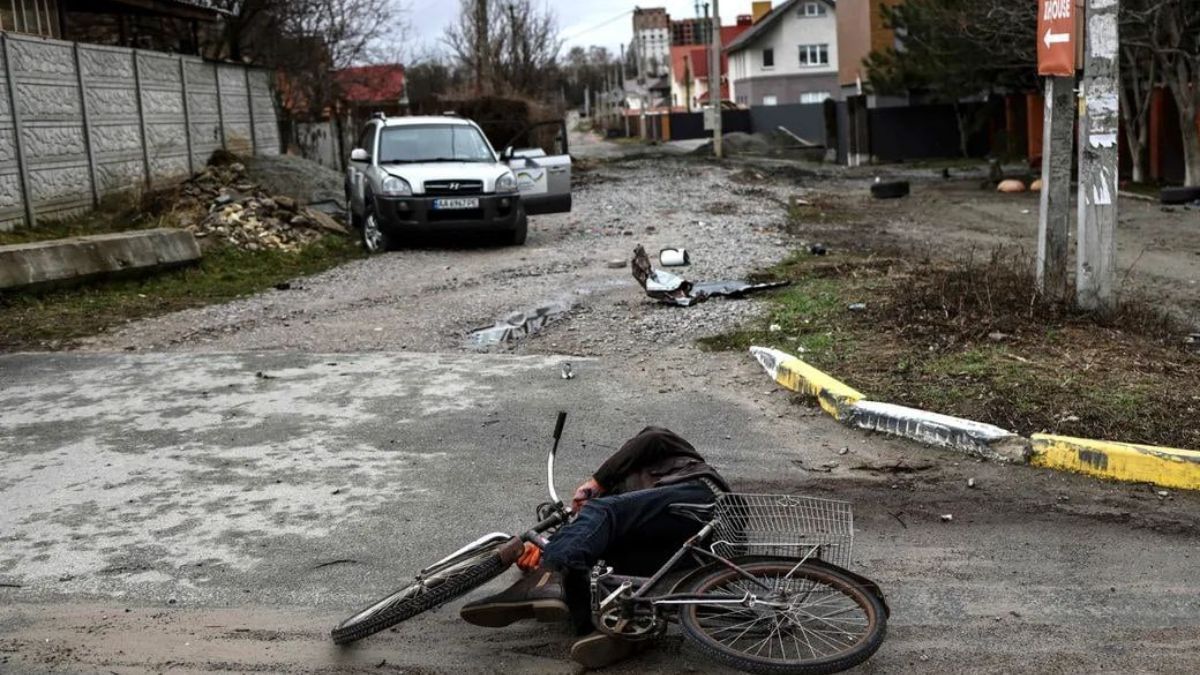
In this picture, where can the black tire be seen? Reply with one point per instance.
(854, 652)
(1179, 195)
(373, 237)
(521, 232)
(416, 598)
(890, 189)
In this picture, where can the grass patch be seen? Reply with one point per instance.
(119, 212)
(55, 319)
(976, 339)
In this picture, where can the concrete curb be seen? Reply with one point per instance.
(1166, 467)
(792, 373)
(945, 431)
(76, 259)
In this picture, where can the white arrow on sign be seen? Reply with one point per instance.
(1053, 38)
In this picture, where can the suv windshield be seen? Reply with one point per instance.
(433, 143)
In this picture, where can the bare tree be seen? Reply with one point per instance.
(1139, 77)
(517, 51)
(1175, 41)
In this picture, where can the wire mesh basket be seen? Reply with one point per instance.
(783, 525)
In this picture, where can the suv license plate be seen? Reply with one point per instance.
(462, 203)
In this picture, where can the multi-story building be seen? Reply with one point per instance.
(688, 32)
(790, 54)
(652, 42)
(689, 68)
(180, 26)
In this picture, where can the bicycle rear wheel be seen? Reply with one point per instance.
(421, 596)
(817, 620)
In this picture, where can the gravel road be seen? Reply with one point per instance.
(430, 299)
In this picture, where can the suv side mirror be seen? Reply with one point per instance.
(360, 155)
(507, 154)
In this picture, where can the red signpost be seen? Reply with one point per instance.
(1056, 38)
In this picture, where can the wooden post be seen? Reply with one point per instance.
(1099, 110)
(1054, 223)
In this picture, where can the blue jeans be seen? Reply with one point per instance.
(633, 532)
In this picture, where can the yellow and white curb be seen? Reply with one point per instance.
(792, 373)
(1166, 467)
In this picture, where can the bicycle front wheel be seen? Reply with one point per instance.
(806, 620)
(422, 595)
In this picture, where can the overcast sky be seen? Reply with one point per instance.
(583, 22)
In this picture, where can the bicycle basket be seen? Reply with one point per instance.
(783, 525)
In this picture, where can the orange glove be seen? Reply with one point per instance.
(531, 558)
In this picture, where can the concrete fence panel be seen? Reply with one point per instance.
(79, 121)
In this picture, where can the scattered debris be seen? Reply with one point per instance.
(899, 467)
(285, 286)
(674, 257)
(970, 482)
(857, 307)
(1162, 494)
(518, 325)
(947, 517)
(674, 290)
(843, 451)
(890, 189)
(775, 328)
(898, 519)
(615, 264)
(341, 561)
(8, 585)
(997, 336)
(567, 373)
(818, 249)
(264, 376)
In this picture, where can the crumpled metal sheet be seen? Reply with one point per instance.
(518, 325)
(675, 290)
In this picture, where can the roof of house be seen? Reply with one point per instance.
(757, 30)
(698, 54)
(372, 84)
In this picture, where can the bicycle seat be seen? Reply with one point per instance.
(699, 512)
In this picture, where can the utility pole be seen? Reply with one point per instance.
(714, 79)
(481, 45)
(1054, 223)
(1096, 252)
(621, 79)
(587, 101)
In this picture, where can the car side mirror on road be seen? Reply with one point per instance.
(359, 155)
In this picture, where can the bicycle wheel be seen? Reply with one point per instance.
(420, 596)
(811, 621)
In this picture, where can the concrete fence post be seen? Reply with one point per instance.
(141, 108)
(18, 142)
(87, 127)
(220, 106)
(250, 109)
(187, 117)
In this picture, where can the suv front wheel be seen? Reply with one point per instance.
(521, 231)
(374, 238)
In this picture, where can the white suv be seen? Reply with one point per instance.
(440, 174)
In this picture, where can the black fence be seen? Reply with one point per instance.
(927, 132)
(804, 120)
(691, 125)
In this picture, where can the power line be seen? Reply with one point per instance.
(598, 26)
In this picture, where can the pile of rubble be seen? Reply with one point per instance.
(222, 204)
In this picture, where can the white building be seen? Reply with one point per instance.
(789, 56)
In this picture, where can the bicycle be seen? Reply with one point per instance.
(769, 591)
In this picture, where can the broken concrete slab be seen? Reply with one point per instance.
(976, 438)
(77, 259)
(675, 290)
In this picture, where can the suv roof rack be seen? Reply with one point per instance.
(450, 113)
(379, 115)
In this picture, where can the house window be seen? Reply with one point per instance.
(36, 17)
(812, 9)
(770, 100)
(814, 96)
(768, 56)
(814, 55)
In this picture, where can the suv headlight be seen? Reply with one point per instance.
(506, 183)
(396, 187)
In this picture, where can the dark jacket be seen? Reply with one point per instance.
(653, 458)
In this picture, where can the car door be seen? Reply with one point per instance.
(356, 172)
(544, 177)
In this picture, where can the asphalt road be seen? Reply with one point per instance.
(172, 511)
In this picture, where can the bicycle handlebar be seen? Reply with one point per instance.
(558, 427)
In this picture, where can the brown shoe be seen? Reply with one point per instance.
(600, 651)
(538, 595)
